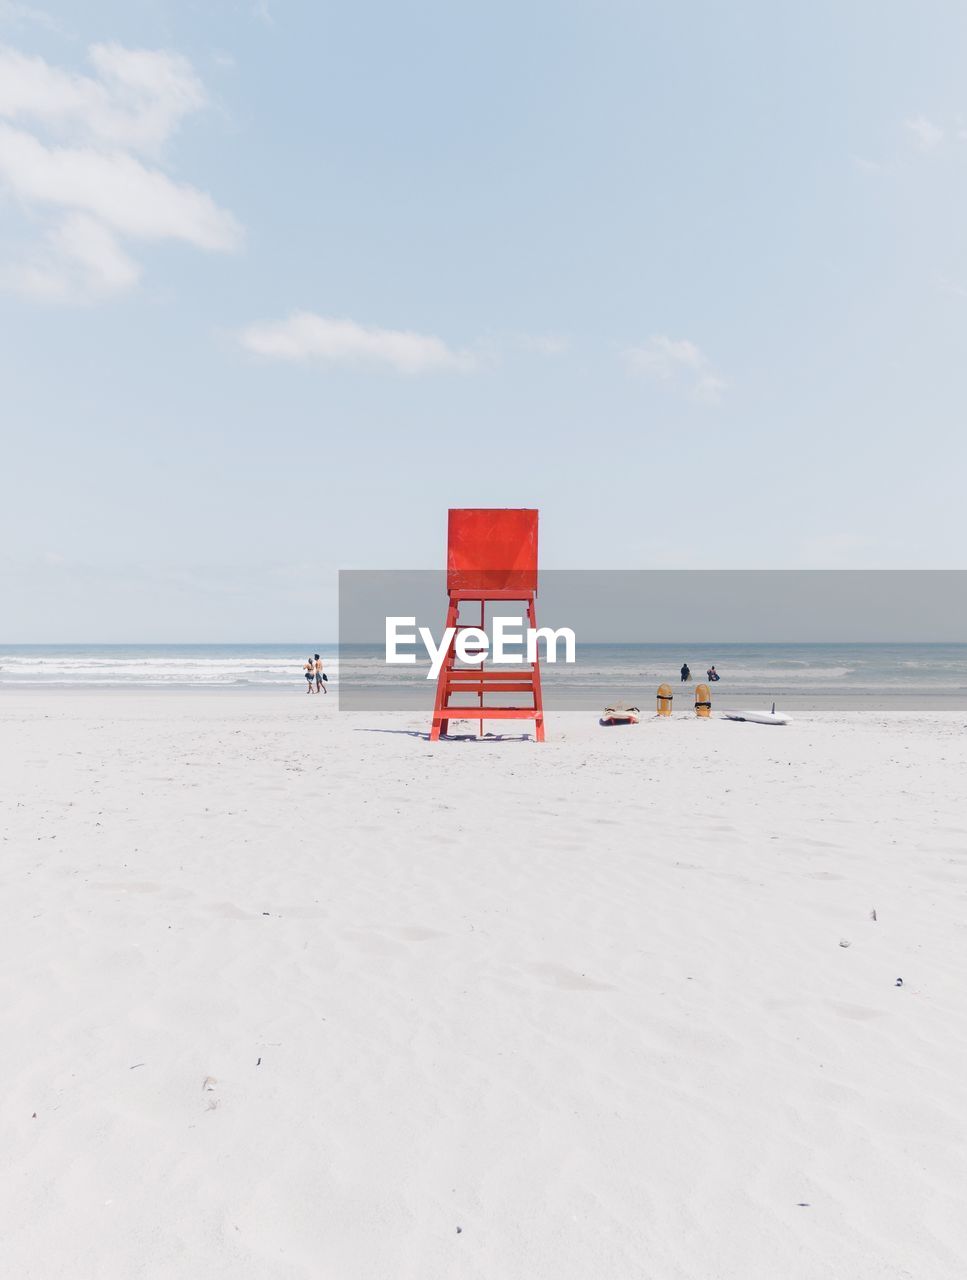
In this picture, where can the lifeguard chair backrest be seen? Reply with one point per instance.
(492, 549)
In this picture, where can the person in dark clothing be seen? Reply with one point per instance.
(685, 672)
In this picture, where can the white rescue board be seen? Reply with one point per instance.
(757, 717)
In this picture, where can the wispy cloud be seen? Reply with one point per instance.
(865, 165)
(305, 336)
(952, 287)
(83, 150)
(16, 14)
(116, 189)
(680, 363)
(926, 134)
(136, 100)
(496, 347)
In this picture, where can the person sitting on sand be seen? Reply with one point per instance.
(712, 675)
(310, 670)
(317, 666)
(685, 672)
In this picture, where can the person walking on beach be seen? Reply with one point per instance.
(317, 667)
(310, 673)
(685, 673)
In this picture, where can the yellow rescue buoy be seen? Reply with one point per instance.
(664, 700)
(703, 700)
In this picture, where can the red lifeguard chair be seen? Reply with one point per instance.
(491, 557)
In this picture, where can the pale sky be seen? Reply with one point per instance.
(280, 282)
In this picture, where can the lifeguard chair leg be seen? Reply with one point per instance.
(483, 659)
(538, 695)
(440, 724)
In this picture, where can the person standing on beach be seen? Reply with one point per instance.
(310, 673)
(685, 672)
(317, 665)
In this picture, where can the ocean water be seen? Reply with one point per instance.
(152, 666)
(851, 674)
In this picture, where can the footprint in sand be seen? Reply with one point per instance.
(565, 979)
(387, 942)
(127, 886)
(229, 911)
(415, 933)
(856, 1012)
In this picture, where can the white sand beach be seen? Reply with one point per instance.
(290, 993)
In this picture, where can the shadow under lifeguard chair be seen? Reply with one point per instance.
(491, 558)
